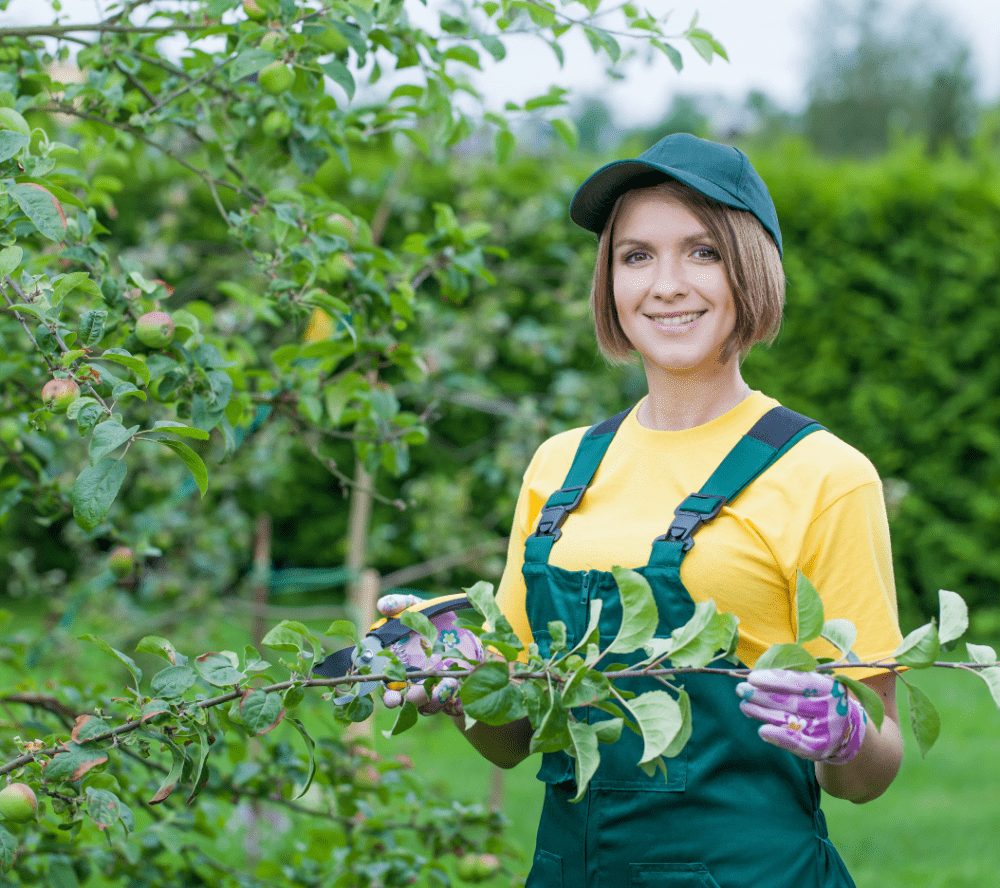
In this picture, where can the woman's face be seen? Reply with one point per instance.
(670, 286)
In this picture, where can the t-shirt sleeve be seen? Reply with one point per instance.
(511, 594)
(847, 556)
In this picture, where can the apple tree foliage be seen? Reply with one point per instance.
(294, 306)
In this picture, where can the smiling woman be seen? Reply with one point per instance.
(688, 277)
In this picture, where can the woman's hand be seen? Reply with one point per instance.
(411, 653)
(809, 714)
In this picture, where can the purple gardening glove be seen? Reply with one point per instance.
(809, 714)
(411, 653)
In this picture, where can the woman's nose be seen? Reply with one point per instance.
(669, 280)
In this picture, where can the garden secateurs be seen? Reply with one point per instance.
(383, 634)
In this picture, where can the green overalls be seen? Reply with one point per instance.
(734, 811)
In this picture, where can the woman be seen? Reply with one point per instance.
(713, 491)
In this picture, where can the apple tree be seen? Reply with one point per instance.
(207, 265)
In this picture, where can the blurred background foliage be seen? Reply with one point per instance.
(887, 189)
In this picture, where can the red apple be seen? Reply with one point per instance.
(59, 393)
(154, 329)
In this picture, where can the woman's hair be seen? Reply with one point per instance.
(749, 255)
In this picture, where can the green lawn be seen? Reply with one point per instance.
(934, 828)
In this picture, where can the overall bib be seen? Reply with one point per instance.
(734, 811)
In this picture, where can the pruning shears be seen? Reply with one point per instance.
(383, 633)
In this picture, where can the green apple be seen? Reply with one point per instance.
(467, 868)
(272, 41)
(10, 430)
(59, 393)
(121, 561)
(277, 124)
(332, 40)
(276, 78)
(337, 268)
(18, 803)
(256, 10)
(11, 120)
(154, 329)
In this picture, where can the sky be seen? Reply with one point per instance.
(765, 41)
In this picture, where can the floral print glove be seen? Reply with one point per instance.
(411, 653)
(809, 714)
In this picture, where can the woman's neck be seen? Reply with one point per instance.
(678, 401)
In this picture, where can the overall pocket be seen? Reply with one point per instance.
(670, 875)
(546, 871)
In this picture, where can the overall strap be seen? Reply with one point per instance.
(558, 506)
(772, 435)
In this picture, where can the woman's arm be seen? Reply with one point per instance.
(869, 773)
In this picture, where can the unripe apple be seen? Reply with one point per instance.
(272, 41)
(332, 40)
(276, 78)
(11, 120)
(487, 865)
(341, 225)
(154, 329)
(337, 268)
(255, 10)
(58, 394)
(18, 803)
(121, 561)
(10, 430)
(277, 124)
(467, 868)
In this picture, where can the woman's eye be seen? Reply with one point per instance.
(635, 256)
(706, 253)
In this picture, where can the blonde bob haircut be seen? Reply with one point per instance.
(749, 255)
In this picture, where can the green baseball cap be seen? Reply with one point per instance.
(718, 171)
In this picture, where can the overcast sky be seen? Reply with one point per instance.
(765, 40)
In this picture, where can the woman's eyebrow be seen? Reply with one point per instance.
(689, 240)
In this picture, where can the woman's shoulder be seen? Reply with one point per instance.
(558, 450)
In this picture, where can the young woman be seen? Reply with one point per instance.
(713, 491)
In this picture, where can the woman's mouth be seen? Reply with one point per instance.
(672, 321)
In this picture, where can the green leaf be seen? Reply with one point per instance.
(178, 761)
(592, 635)
(78, 280)
(981, 653)
(505, 144)
(340, 627)
(10, 259)
(10, 143)
(108, 436)
(557, 631)
(8, 847)
(868, 698)
(261, 712)
(103, 807)
(696, 642)
(178, 428)
(584, 750)
(152, 709)
(808, 609)
(841, 634)
(88, 727)
(787, 656)
(419, 624)
(136, 365)
(639, 613)
(249, 62)
(153, 644)
(659, 718)
(95, 490)
(991, 676)
(609, 730)
(310, 748)
(173, 682)
(920, 648)
(954, 616)
(72, 762)
(217, 670)
(552, 734)
(585, 687)
(488, 696)
(924, 719)
(191, 459)
(567, 131)
(339, 73)
(200, 771)
(41, 208)
(291, 635)
(124, 659)
(483, 600)
(684, 734)
(406, 718)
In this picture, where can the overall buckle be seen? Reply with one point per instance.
(552, 517)
(687, 521)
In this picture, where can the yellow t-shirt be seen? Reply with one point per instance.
(818, 509)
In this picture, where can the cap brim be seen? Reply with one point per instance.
(592, 204)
